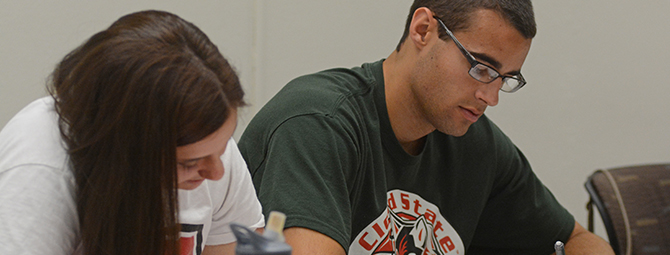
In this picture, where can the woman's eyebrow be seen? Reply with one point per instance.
(189, 160)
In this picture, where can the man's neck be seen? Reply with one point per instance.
(407, 121)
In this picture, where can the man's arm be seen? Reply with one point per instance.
(306, 242)
(584, 242)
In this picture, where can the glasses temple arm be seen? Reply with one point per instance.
(469, 56)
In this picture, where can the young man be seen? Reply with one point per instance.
(396, 156)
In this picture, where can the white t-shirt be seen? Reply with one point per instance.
(38, 214)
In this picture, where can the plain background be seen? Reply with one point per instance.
(597, 93)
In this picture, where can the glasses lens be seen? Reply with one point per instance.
(511, 84)
(483, 73)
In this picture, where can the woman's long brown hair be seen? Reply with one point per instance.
(126, 99)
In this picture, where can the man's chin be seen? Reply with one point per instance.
(455, 131)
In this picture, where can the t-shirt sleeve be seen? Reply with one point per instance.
(38, 214)
(303, 174)
(234, 199)
(522, 216)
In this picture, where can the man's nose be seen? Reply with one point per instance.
(489, 93)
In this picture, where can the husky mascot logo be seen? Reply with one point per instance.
(409, 237)
(409, 226)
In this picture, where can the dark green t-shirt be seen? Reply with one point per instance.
(323, 152)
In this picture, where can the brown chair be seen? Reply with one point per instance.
(634, 204)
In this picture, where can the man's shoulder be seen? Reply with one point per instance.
(334, 82)
(337, 98)
(323, 92)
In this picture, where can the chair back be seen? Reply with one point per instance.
(634, 204)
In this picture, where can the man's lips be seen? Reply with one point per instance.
(471, 115)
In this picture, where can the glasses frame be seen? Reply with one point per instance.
(473, 63)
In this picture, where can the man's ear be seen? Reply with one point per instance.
(422, 27)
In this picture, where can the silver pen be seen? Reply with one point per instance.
(559, 247)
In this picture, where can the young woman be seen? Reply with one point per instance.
(132, 153)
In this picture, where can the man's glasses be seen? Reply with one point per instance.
(483, 72)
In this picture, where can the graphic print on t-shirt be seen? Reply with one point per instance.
(409, 225)
(190, 239)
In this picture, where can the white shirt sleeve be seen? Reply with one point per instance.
(38, 214)
(234, 198)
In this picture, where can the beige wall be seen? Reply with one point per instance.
(597, 95)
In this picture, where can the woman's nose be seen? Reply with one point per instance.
(213, 169)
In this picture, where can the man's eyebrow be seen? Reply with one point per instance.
(493, 62)
(487, 58)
